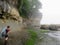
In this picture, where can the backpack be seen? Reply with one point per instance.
(3, 32)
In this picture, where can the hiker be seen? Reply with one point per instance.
(7, 31)
(4, 34)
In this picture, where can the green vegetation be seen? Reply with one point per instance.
(28, 7)
(44, 31)
(32, 39)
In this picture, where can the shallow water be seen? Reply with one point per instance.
(55, 34)
(51, 38)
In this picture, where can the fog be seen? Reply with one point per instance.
(51, 11)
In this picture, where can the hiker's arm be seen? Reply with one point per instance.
(9, 30)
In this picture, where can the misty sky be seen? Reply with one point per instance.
(51, 11)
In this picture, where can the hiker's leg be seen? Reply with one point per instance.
(6, 40)
(6, 37)
(5, 43)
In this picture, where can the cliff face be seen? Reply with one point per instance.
(35, 20)
(13, 2)
(10, 7)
